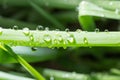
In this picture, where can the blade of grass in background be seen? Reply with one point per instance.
(29, 54)
(88, 9)
(6, 76)
(63, 4)
(27, 66)
(46, 15)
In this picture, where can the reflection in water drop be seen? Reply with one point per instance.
(85, 40)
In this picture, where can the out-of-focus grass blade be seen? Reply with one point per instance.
(40, 54)
(6, 76)
(46, 14)
(27, 66)
(88, 9)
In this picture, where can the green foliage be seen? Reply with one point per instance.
(82, 51)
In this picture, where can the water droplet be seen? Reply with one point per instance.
(47, 38)
(47, 29)
(56, 41)
(106, 30)
(60, 38)
(85, 40)
(15, 27)
(67, 30)
(117, 11)
(39, 27)
(66, 75)
(57, 30)
(97, 30)
(33, 48)
(51, 78)
(1, 31)
(31, 38)
(78, 30)
(26, 31)
(70, 39)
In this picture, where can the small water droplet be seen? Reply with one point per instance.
(15, 27)
(97, 30)
(31, 38)
(26, 31)
(39, 27)
(117, 11)
(106, 30)
(51, 78)
(1, 30)
(70, 39)
(56, 41)
(60, 38)
(67, 30)
(66, 75)
(57, 30)
(85, 40)
(33, 48)
(47, 38)
(46, 28)
(78, 30)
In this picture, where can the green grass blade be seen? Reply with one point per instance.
(40, 54)
(46, 15)
(6, 76)
(27, 66)
(59, 38)
(87, 9)
(12, 22)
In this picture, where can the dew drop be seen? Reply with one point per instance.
(15, 27)
(33, 48)
(51, 78)
(66, 75)
(106, 30)
(47, 38)
(31, 38)
(70, 39)
(26, 31)
(39, 27)
(78, 30)
(67, 30)
(47, 29)
(1, 31)
(85, 40)
(57, 30)
(97, 30)
(60, 38)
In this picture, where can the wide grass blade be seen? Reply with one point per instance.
(27, 66)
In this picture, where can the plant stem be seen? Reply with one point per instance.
(59, 38)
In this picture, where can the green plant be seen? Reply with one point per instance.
(21, 43)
